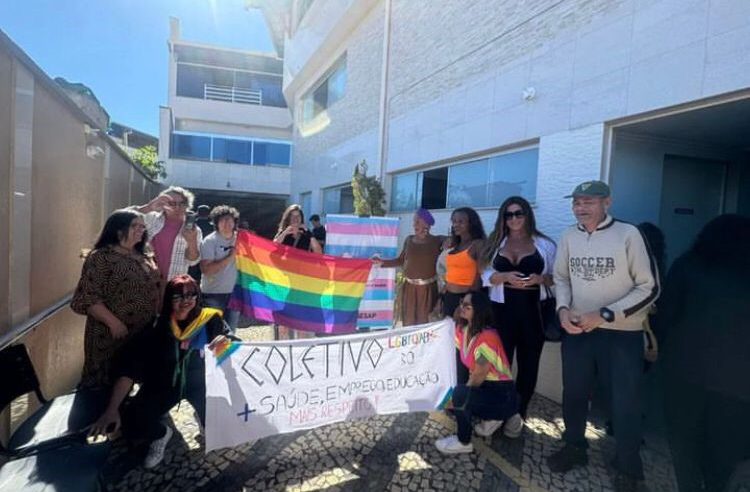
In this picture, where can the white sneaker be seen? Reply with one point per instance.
(486, 428)
(451, 445)
(513, 426)
(156, 449)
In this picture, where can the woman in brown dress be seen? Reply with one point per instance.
(118, 292)
(418, 258)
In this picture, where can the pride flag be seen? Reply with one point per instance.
(295, 288)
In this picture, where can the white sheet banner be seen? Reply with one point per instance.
(267, 388)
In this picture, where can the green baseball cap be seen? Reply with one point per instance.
(591, 188)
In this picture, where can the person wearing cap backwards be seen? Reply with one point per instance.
(418, 258)
(605, 282)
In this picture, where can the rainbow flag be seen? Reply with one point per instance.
(298, 289)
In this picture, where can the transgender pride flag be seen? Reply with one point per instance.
(363, 237)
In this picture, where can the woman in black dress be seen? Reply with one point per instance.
(293, 232)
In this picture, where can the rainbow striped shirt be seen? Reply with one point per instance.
(488, 346)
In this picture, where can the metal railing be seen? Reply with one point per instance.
(230, 93)
(21, 330)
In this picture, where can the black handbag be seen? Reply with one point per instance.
(550, 320)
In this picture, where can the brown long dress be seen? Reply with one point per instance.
(127, 285)
(418, 261)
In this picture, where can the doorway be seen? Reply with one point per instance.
(692, 193)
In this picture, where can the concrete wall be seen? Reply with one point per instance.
(241, 177)
(53, 201)
(458, 68)
(326, 156)
(233, 113)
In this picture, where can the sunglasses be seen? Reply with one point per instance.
(184, 297)
(517, 214)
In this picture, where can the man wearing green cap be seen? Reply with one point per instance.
(605, 281)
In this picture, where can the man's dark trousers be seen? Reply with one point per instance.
(619, 357)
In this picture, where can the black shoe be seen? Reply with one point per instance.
(567, 458)
(625, 483)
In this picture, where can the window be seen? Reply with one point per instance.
(305, 201)
(434, 188)
(339, 200)
(272, 153)
(404, 192)
(483, 182)
(191, 147)
(513, 174)
(192, 81)
(326, 93)
(467, 185)
(230, 150)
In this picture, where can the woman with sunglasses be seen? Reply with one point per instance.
(517, 262)
(168, 362)
(489, 392)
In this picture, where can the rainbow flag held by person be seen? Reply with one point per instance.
(295, 288)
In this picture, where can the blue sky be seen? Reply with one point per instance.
(119, 47)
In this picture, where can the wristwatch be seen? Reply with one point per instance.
(607, 314)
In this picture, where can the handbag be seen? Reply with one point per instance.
(550, 320)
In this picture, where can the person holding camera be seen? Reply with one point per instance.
(293, 232)
(517, 262)
(217, 262)
(173, 235)
(605, 282)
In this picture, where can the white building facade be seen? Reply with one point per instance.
(464, 103)
(226, 131)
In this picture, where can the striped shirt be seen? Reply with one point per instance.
(485, 346)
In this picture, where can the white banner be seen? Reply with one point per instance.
(267, 388)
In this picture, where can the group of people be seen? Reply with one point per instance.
(606, 277)
(148, 321)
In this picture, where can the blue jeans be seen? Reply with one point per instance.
(220, 301)
(618, 356)
(492, 400)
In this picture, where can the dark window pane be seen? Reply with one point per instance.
(346, 204)
(434, 188)
(191, 147)
(271, 153)
(239, 151)
(219, 153)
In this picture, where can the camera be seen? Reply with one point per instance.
(190, 221)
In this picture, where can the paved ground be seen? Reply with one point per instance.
(392, 453)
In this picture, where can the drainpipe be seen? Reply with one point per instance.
(382, 152)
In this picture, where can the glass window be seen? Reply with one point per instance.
(331, 200)
(434, 188)
(305, 201)
(467, 185)
(404, 192)
(191, 147)
(513, 174)
(327, 92)
(272, 153)
(239, 151)
(346, 200)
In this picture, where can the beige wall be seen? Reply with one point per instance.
(54, 199)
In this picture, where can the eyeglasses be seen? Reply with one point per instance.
(517, 214)
(184, 297)
(180, 204)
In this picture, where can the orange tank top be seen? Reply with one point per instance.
(461, 268)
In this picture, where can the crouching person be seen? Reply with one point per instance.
(490, 393)
(168, 363)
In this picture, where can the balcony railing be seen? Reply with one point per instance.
(232, 94)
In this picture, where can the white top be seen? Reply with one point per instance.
(546, 249)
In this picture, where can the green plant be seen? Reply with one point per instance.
(369, 196)
(148, 159)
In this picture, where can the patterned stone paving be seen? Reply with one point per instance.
(391, 453)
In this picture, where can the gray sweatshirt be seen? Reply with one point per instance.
(610, 267)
